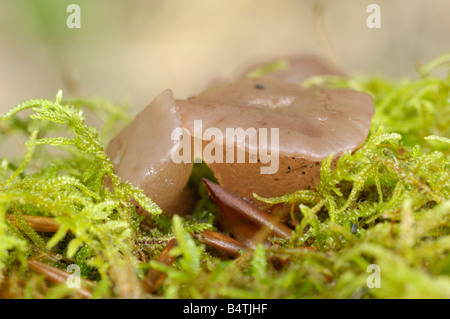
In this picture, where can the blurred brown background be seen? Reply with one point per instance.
(132, 50)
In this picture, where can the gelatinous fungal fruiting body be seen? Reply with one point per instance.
(311, 123)
(141, 155)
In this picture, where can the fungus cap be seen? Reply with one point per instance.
(141, 154)
(312, 124)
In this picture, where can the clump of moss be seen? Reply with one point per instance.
(71, 189)
(385, 206)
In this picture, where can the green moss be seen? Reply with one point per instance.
(386, 204)
(70, 189)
